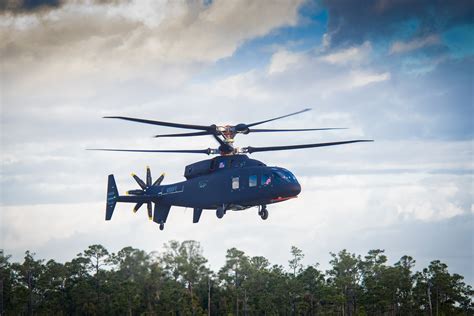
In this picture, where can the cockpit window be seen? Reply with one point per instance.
(284, 175)
(265, 180)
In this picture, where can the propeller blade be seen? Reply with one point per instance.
(150, 210)
(187, 151)
(135, 192)
(139, 181)
(159, 180)
(148, 176)
(184, 134)
(161, 123)
(277, 118)
(263, 130)
(137, 207)
(251, 150)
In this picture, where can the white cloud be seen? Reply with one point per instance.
(282, 60)
(360, 78)
(164, 42)
(352, 55)
(399, 47)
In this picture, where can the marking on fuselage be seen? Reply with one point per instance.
(172, 190)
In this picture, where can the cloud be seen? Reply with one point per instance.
(350, 22)
(414, 44)
(127, 40)
(351, 55)
(282, 60)
(360, 79)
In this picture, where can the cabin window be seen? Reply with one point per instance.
(266, 180)
(235, 183)
(253, 181)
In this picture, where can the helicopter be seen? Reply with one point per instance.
(231, 181)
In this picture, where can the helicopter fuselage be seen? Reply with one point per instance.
(232, 182)
(232, 186)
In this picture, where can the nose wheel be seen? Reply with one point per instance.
(263, 212)
(162, 226)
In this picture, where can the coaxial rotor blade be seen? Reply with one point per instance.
(188, 151)
(290, 147)
(150, 210)
(139, 181)
(263, 130)
(161, 123)
(185, 134)
(277, 118)
(137, 207)
(159, 180)
(148, 176)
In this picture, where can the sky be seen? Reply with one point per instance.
(399, 72)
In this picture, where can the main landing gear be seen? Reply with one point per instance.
(263, 212)
(162, 225)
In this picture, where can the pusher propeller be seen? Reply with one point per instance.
(144, 187)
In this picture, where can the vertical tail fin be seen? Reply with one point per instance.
(112, 196)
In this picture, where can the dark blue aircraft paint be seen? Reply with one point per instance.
(233, 182)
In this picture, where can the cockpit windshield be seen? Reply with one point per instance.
(284, 175)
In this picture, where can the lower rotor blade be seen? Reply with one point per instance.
(150, 210)
(263, 130)
(137, 207)
(184, 134)
(251, 150)
(159, 180)
(183, 151)
(148, 176)
(139, 181)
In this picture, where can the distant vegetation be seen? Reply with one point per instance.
(179, 282)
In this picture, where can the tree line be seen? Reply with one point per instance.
(178, 281)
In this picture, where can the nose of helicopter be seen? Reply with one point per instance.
(294, 189)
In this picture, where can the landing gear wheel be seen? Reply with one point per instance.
(162, 226)
(263, 212)
(220, 212)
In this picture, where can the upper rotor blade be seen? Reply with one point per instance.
(263, 130)
(290, 147)
(186, 151)
(185, 134)
(277, 118)
(161, 123)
